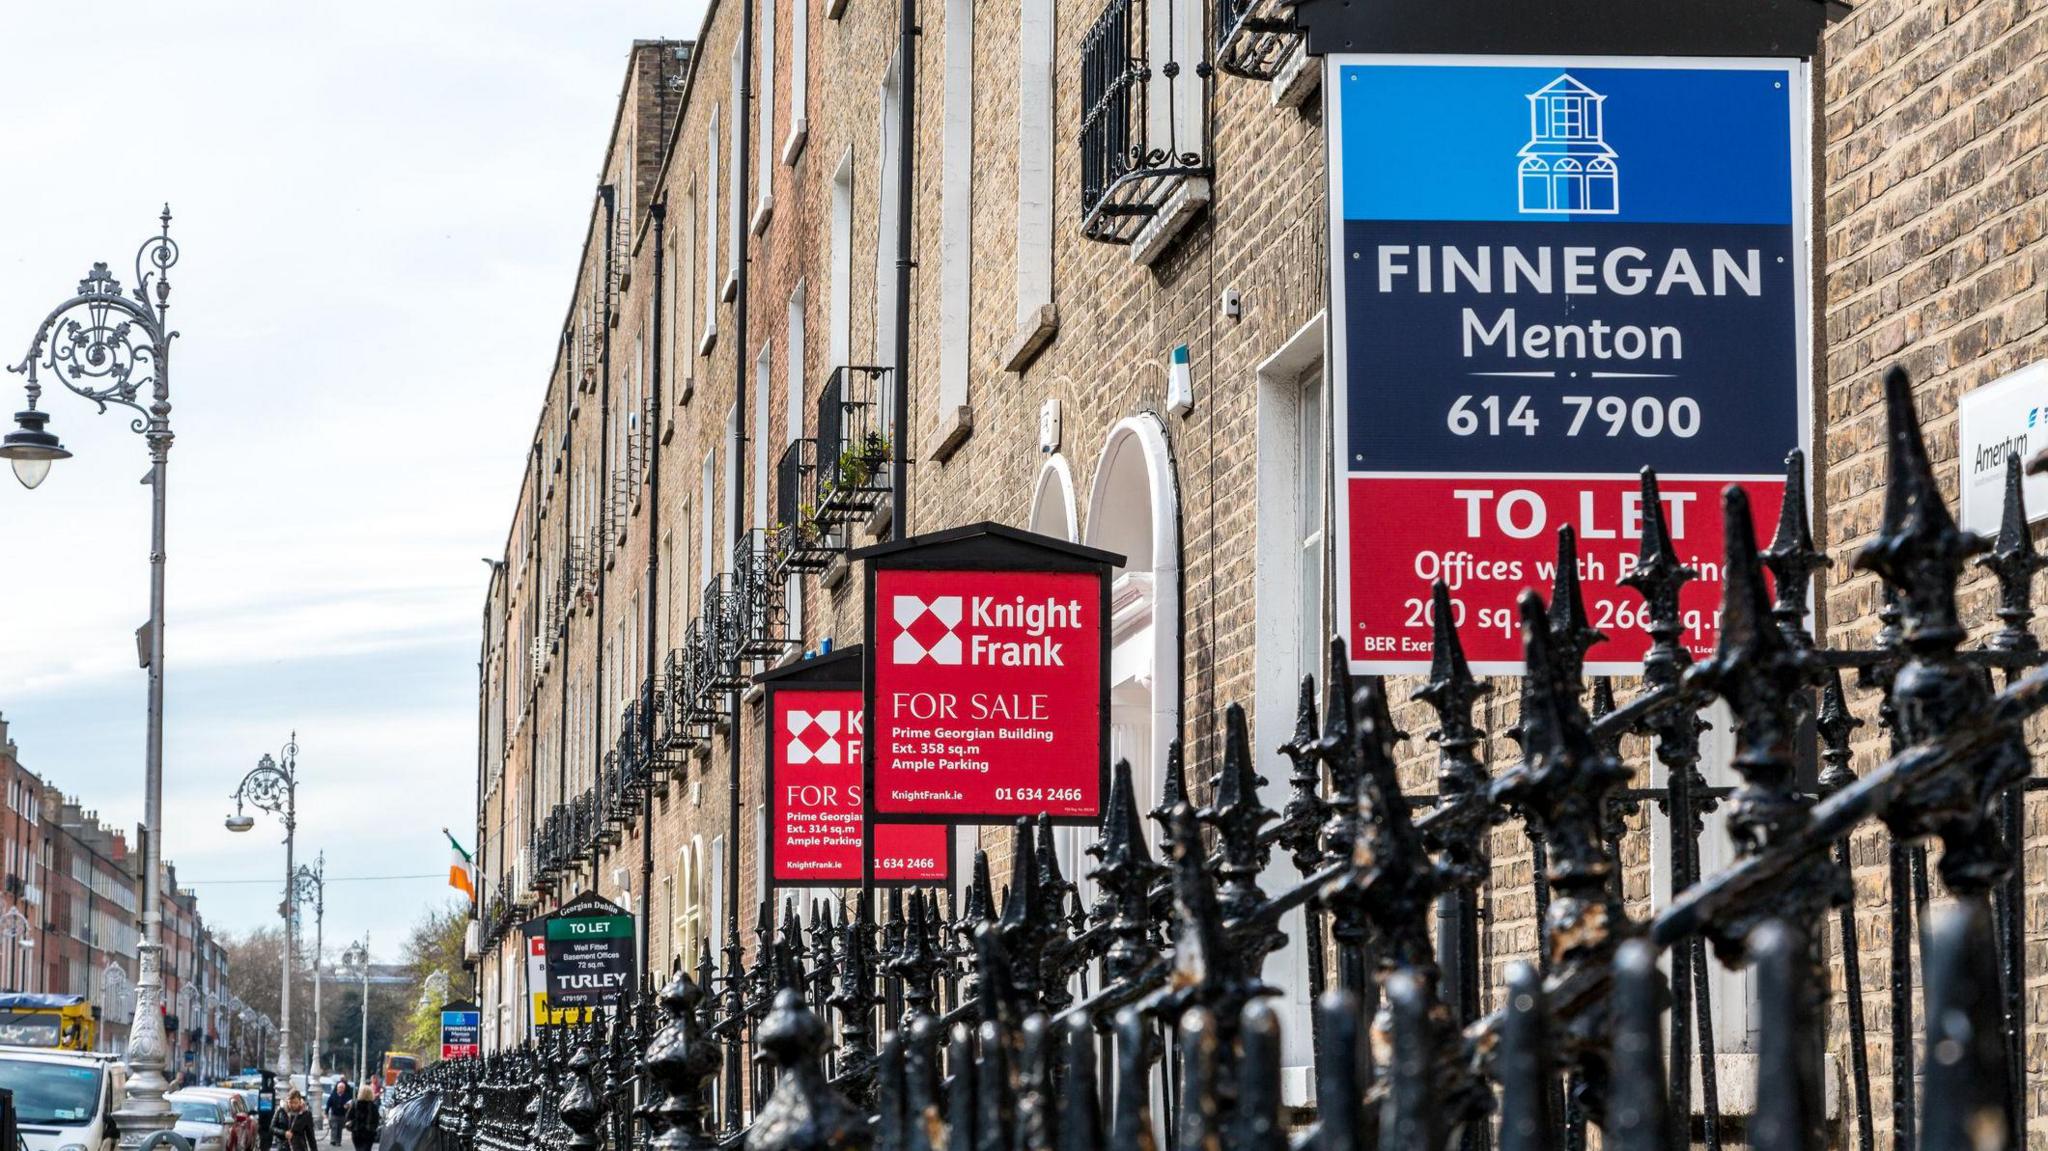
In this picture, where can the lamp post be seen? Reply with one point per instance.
(311, 887)
(107, 346)
(356, 960)
(14, 931)
(273, 786)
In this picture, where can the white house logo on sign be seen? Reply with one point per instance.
(1566, 165)
(816, 736)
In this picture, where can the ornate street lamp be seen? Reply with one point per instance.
(107, 346)
(15, 931)
(355, 960)
(310, 886)
(274, 787)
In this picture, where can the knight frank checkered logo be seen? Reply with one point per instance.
(814, 737)
(928, 624)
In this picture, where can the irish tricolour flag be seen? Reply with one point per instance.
(461, 868)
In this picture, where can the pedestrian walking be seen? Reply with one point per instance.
(338, 1101)
(300, 1134)
(364, 1117)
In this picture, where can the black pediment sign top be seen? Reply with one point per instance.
(590, 903)
(1568, 27)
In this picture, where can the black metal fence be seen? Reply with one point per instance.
(1144, 1020)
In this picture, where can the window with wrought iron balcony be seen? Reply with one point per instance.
(1144, 125)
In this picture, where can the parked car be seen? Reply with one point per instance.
(241, 1107)
(61, 1098)
(205, 1120)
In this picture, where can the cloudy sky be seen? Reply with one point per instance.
(380, 206)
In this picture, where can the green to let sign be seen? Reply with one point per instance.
(591, 927)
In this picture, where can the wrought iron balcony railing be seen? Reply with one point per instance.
(1254, 38)
(680, 729)
(851, 477)
(800, 543)
(726, 630)
(1134, 154)
(759, 592)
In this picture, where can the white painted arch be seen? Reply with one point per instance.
(1134, 511)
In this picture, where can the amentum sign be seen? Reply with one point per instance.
(816, 812)
(1548, 273)
(987, 670)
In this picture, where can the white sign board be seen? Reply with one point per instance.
(2008, 416)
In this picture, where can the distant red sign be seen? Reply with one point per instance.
(814, 805)
(989, 693)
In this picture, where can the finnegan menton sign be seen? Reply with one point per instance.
(1548, 273)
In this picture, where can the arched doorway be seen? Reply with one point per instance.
(1134, 511)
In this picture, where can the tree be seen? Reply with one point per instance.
(434, 959)
(254, 966)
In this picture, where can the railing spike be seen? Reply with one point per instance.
(1456, 827)
(1791, 556)
(1967, 1079)
(1257, 1124)
(1238, 817)
(1919, 549)
(1835, 724)
(1080, 1106)
(1302, 821)
(1200, 1096)
(804, 1112)
(1659, 577)
(1570, 633)
(995, 1110)
(1037, 1114)
(962, 1090)
(1173, 790)
(681, 1059)
(891, 1126)
(1410, 1115)
(1131, 1109)
(1343, 1073)
(1788, 1107)
(1523, 1065)
(923, 1121)
(2013, 560)
(1638, 1118)
(1125, 872)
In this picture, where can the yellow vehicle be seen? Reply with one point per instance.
(60, 1022)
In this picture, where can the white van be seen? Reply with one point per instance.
(61, 1098)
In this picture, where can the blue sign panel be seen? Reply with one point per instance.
(1547, 274)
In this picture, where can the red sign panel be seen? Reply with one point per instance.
(1488, 538)
(989, 694)
(814, 805)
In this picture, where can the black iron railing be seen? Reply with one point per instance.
(1051, 1022)
(1254, 38)
(759, 590)
(1131, 160)
(851, 477)
(801, 542)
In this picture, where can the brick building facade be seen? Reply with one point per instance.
(78, 888)
(737, 293)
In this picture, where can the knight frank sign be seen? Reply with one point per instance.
(987, 673)
(818, 830)
(1547, 274)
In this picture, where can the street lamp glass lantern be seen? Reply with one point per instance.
(30, 448)
(240, 822)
